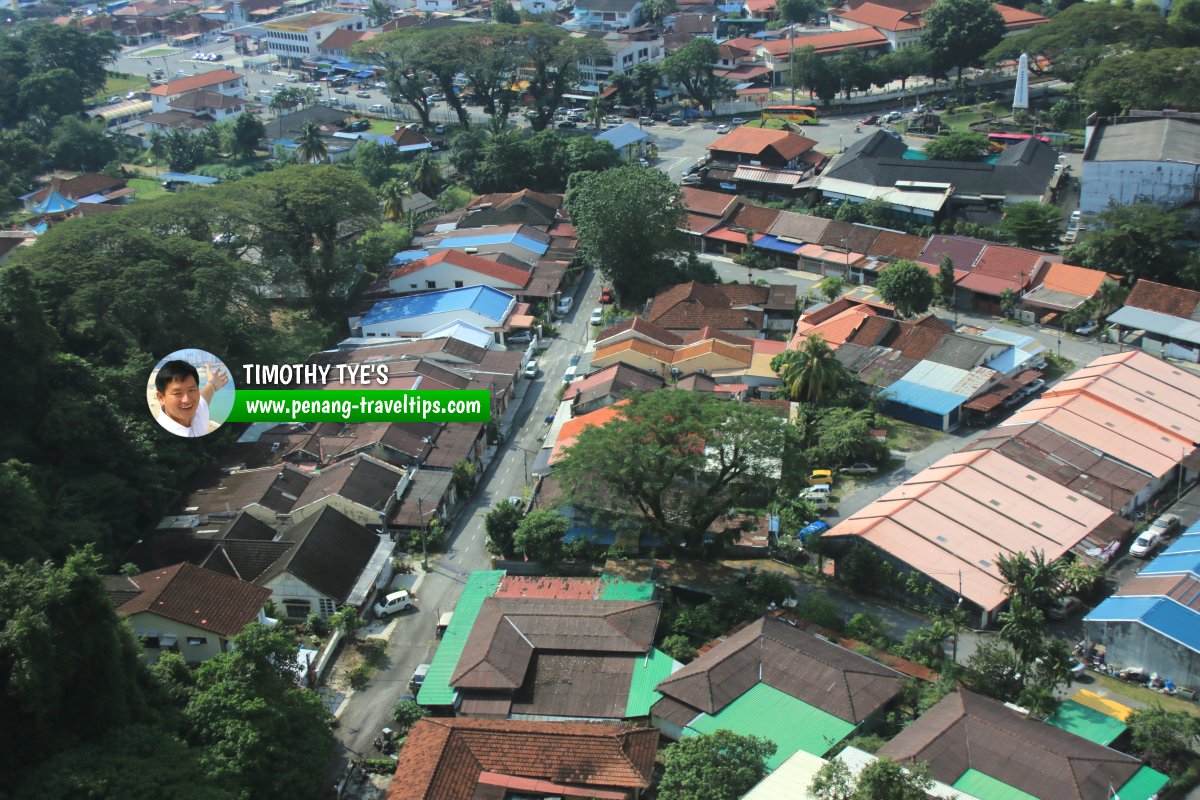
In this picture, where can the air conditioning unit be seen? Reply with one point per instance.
(702, 371)
(676, 371)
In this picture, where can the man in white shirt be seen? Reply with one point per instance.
(183, 405)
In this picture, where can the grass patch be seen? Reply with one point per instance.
(1143, 695)
(906, 437)
(383, 127)
(961, 122)
(119, 86)
(158, 52)
(147, 188)
(1057, 366)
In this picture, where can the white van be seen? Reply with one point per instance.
(394, 603)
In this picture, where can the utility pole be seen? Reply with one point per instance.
(424, 551)
(792, 58)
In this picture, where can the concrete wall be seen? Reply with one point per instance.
(1132, 644)
(146, 624)
(1163, 183)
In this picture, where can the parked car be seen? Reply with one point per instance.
(658, 116)
(892, 116)
(613, 119)
(1166, 524)
(439, 129)
(570, 374)
(1088, 328)
(290, 78)
(531, 369)
(436, 97)
(364, 95)
(359, 125)
(519, 338)
(1145, 544)
(677, 122)
(418, 677)
(1064, 607)
(313, 85)
(861, 468)
(516, 500)
(737, 121)
(376, 109)
(724, 128)
(394, 603)
(812, 530)
(116, 98)
(341, 90)
(1033, 387)
(819, 476)
(691, 180)
(1038, 364)
(818, 496)
(870, 119)
(606, 295)
(566, 123)
(645, 121)
(574, 360)
(597, 316)
(564, 306)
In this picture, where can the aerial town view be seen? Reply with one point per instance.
(600, 400)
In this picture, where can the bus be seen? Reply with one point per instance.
(1009, 139)
(801, 115)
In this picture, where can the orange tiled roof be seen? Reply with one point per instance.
(191, 82)
(1164, 299)
(836, 330)
(642, 326)
(483, 266)
(827, 42)
(748, 140)
(1079, 281)
(571, 429)
(702, 201)
(882, 17)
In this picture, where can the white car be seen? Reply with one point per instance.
(376, 109)
(531, 369)
(394, 603)
(597, 316)
(861, 468)
(291, 78)
(570, 374)
(564, 306)
(737, 121)
(1145, 544)
(723, 128)
(313, 85)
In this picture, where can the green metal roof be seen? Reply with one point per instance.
(436, 690)
(1087, 722)
(766, 712)
(621, 589)
(985, 787)
(1144, 784)
(648, 673)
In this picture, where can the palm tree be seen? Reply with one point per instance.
(158, 144)
(284, 98)
(1008, 301)
(394, 193)
(427, 175)
(831, 287)
(310, 147)
(596, 112)
(1034, 579)
(378, 12)
(1112, 297)
(1021, 627)
(811, 374)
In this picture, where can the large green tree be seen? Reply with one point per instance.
(627, 220)
(714, 766)
(908, 286)
(33, 59)
(551, 56)
(1165, 78)
(691, 66)
(539, 535)
(1167, 739)
(1184, 20)
(810, 70)
(245, 134)
(811, 374)
(958, 146)
(1137, 239)
(959, 33)
(500, 524)
(398, 53)
(76, 144)
(881, 778)
(678, 459)
(1031, 224)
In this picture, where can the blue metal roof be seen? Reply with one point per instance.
(1173, 563)
(483, 300)
(769, 242)
(623, 135)
(1008, 360)
(1188, 543)
(483, 240)
(55, 203)
(182, 177)
(1160, 614)
(1015, 338)
(917, 396)
(407, 255)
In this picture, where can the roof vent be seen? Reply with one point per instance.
(1037, 525)
(942, 539)
(470, 250)
(996, 503)
(1072, 497)
(983, 562)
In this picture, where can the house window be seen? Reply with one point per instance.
(412, 286)
(196, 641)
(297, 609)
(328, 607)
(150, 642)
(430, 284)
(458, 284)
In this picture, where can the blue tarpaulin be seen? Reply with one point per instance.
(768, 242)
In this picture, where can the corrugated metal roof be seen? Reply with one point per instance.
(1144, 785)
(985, 787)
(764, 175)
(1174, 563)
(1157, 613)
(483, 300)
(406, 256)
(767, 712)
(1015, 338)
(858, 760)
(925, 398)
(623, 135)
(919, 201)
(648, 672)
(436, 690)
(1086, 722)
(790, 781)
(943, 377)
(620, 589)
(1153, 322)
(483, 240)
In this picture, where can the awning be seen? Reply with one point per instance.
(724, 234)
(364, 74)
(128, 109)
(768, 242)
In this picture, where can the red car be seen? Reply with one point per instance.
(606, 295)
(871, 120)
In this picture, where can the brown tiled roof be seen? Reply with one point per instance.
(691, 317)
(331, 553)
(341, 39)
(753, 218)
(917, 339)
(556, 689)
(615, 379)
(799, 227)
(1164, 299)
(704, 334)
(871, 331)
(444, 759)
(896, 245)
(642, 326)
(203, 99)
(968, 731)
(702, 201)
(508, 632)
(858, 238)
(361, 479)
(838, 681)
(196, 597)
(431, 488)
(81, 186)
(963, 251)
(455, 443)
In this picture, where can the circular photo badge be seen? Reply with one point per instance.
(190, 393)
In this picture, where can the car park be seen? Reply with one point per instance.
(861, 468)
(116, 98)
(436, 97)
(365, 95)
(394, 603)
(597, 316)
(531, 369)
(439, 129)
(812, 530)
(1166, 524)
(1088, 328)
(724, 128)
(359, 125)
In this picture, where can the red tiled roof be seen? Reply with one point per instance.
(484, 266)
(1079, 281)
(715, 333)
(444, 759)
(828, 42)
(197, 597)
(917, 339)
(1018, 17)
(882, 17)
(702, 201)
(191, 82)
(700, 224)
(893, 244)
(1170, 300)
(751, 141)
(754, 218)
(549, 588)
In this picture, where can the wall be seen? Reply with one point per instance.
(1162, 183)
(443, 276)
(287, 586)
(1134, 645)
(152, 624)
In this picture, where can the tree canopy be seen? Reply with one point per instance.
(691, 66)
(959, 33)
(1031, 224)
(714, 766)
(881, 778)
(539, 535)
(908, 286)
(959, 146)
(627, 220)
(1136, 239)
(679, 460)
(1163, 78)
(811, 374)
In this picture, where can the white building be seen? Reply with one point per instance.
(294, 39)
(608, 15)
(626, 49)
(224, 82)
(544, 6)
(1148, 158)
(418, 314)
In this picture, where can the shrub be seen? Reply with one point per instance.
(678, 647)
(359, 676)
(407, 713)
(819, 610)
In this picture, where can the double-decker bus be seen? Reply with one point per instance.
(801, 115)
